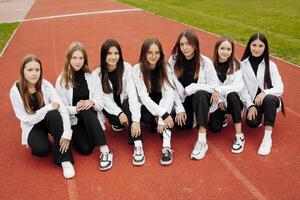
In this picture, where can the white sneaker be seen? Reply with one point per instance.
(117, 128)
(199, 150)
(265, 147)
(68, 169)
(238, 144)
(106, 161)
(138, 156)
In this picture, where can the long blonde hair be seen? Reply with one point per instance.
(23, 84)
(68, 72)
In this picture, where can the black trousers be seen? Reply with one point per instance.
(199, 104)
(114, 120)
(234, 107)
(38, 139)
(268, 109)
(88, 133)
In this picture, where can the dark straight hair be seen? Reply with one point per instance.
(104, 66)
(160, 68)
(232, 60)
(179, 57)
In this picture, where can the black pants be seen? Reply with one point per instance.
(88, 133)
(199, 104)
(38, 139)
(114, 120)
(268, 109)
(234, 107)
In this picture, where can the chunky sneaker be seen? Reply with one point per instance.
(225, 122)
(138, 156)
(166, 156)
(117, 128)
(199, 150)
(238, 144)
(265, 147)
(68, 169)
(106, 161)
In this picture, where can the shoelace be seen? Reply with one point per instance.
(105, 157)
(138, 151)
(166, 151)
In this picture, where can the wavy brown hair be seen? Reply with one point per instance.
(232, 60)
(179, 57)
(104, 67)
(68, 72)
(23, 84)
(160, 68)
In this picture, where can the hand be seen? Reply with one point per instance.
(123, 119)
(180, 118)
(185, 93)
(221, 106)
(259, 98)
(135, 129)
(169, 122)
(55, 105)
(215, 97)
(64, 145)
(252, 113)
(161, 128)
(84, 105)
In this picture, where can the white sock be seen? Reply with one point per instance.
(202, 137)
(267, 135)
(239, 135)
(104, 149)
(167, 138)
(138, 143)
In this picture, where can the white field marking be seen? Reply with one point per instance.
(11, 37)
(291, 111)
(256, 193)
(72, 191)
(81, 14)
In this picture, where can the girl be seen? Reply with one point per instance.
(230, 85)
(121, 106)
(155, 92)
(40, 111)
(195, 80)
(80, 92)
(263, 89)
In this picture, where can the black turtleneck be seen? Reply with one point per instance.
(155, 93)
(80, 89)
(114, 81)
(189, 67)
(255, 61)
(223, 68)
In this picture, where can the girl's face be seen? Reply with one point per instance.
(153, 55)
(257, 48)
(77, 60)
(32, 72)
(224, 51)
(112, 57)
(186, 48)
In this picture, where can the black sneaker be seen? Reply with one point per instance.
(225, 122)
(106, 161)
(117, 128)
(166, 157)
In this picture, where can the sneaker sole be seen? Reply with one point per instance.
(199, 156)
(138, 163)
(237, 151)
(166, 162)
(117, 129)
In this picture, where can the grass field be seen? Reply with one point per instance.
(279, 20)
(6, 30)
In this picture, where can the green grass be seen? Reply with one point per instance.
(6, 30)
(279, 20)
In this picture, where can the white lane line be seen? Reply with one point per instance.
(82, 14)
(72, 191)
(256, 193)
(8, 42)
(292, 112)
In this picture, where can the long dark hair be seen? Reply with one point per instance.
(232, 60)
(247, 53)
(179, 57)
(104, 67)
(160, 68)
(23, 84)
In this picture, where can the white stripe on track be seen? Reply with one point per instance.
(72, 191)
(256, 193)
(82, 14)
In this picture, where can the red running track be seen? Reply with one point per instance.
(221, 175)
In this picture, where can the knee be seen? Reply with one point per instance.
(54, 115)
(201, 94)
(270, 101)
(40, 150)
(232, 97)
(88, 113)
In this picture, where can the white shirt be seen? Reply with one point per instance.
(95, 94)
(27, 121)
(252, 82)
(207, 81)
(165, 104)
(128, 92)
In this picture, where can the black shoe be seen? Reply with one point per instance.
(117, 128)
(166, 157)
